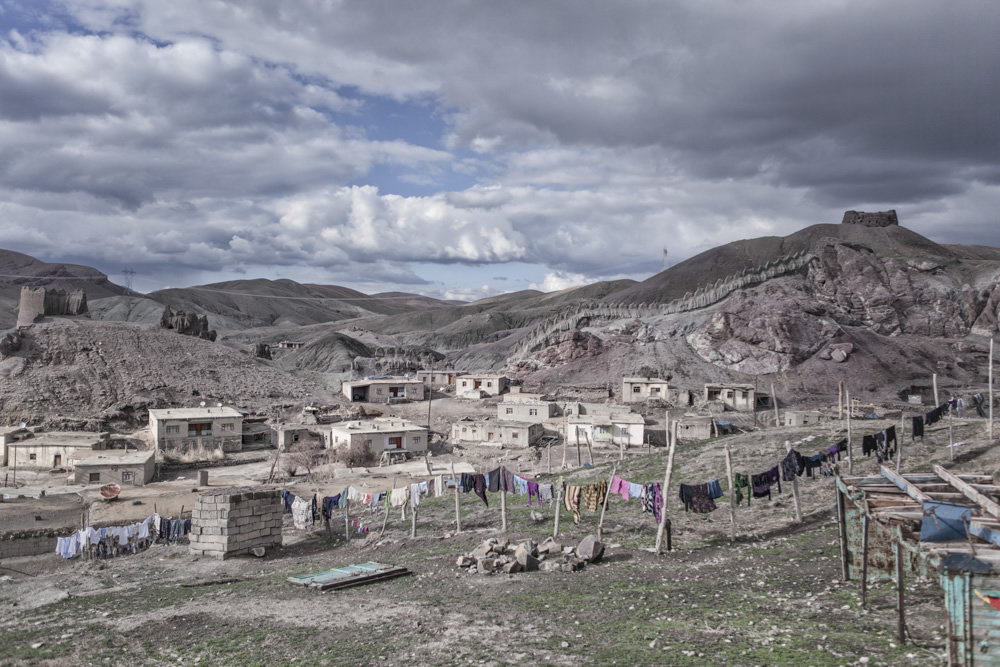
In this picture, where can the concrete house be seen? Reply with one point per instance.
(803, 417)
(10, 435)
(638, 390)
(384, 390)
(439, 378)
(694, 428)
(288, 435)
(626, 428)
(197, 433)
(526, 408)
(497, 433)
(735, 396)
(115, 466)
(479, 385)
(380, 435)
(54, 449)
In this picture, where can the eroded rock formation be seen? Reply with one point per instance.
(10, 344)
(37, 302)
(188, 324)
(262, 351)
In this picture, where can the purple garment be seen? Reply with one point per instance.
(507, 481)
(834, 451)
(533, 491)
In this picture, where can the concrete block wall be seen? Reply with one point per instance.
(230, 522)
(30, 543)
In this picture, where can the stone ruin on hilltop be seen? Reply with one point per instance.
(37, 302)
(877, 219)
(188, 324)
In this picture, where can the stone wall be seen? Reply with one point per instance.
(551, 330)
(230, 522)
(37, 302)
(878, 219)
(31, 543)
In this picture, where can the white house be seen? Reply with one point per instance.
(379, 435)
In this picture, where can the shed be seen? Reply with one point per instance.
(941, 526)
(115, 466)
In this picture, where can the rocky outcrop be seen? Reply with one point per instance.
(396, 360)
(572, 345)
(10, 344)
(879, 219)
(38, 302)
(188, 324)
(262, 351)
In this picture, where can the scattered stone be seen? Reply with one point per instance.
(464, 561)
(512, 568)
(38, 645)
(523, 556)
(258, 552)
(537, 517)
(590, 549)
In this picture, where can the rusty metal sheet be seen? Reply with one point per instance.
(351, 575)
(943, 522)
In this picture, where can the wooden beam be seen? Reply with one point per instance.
(910, 489)
(988, 505)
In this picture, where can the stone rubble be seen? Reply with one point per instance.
(500, 555)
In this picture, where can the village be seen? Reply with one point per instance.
(413, 472)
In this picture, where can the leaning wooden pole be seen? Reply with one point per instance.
(840, 400)
(991, 390)
(900, 605)
(795, 489)
(579, 455)
(666, 490)
(864, 559)
(503, 510)
(951, 432)
(732, 496)
(937, 403)
(559, 493)
(604, 507)
(774, 399)
(458, 503)
(565, 440)
(850, 443)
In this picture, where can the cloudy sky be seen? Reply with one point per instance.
(461, 149)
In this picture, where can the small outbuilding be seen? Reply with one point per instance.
(116, 466)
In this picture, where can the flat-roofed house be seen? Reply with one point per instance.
(735, 396)
(476, 385)
(439, 378)
(10, 435)
(803, 417)
(526, 408)
(54, 449)
(623, 428)
(196, 434)
(639, 390)
(497, 433)
(380, 435)
(116, 466)
(384, 390)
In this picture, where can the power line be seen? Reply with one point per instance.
(128, 274)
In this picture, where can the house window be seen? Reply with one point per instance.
(368, 443)
(228, 427)
(295, 437)
(95, 477)
(489, 384)
(31, 457)
(514, 435)
(416, 440)
(464, 429)
(655, 390)
(510, 411)
(127, 476)
(533, 412)
(464, 383)
(173, 430)
(636, 389)
(378, 390)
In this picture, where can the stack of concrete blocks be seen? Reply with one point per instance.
(230, 522)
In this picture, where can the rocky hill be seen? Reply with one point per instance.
(92, 374)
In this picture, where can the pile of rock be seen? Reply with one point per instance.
(499, 555)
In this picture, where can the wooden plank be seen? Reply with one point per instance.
(987, 505)
(904, 484)
(989, 533)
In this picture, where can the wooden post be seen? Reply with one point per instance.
(732, 496)
(900, 605)
(413, 521)
(864, 559)
(937, 403)
(590, 450)
(385, 519)
(503, 510)
(559, 492)
(666, 490)
(991, 390)
(715, 427)
(951, 432)
(842, 521)
(795, 489)
(850, 443)
(754, 402)
(579, 456)
(458, 503)
(347, 521)
(565, 439)
(840, 400)
(604, 508)
(430, 399)
(549, 450)
(649, 445)
(899, 443)
(621, 447)
(774, 398)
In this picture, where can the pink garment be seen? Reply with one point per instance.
(619, 486)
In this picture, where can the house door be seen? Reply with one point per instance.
(395, 442)
(57, 460)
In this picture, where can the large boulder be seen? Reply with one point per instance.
(590, 549)
(524, 557)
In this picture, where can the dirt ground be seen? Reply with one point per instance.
(775, 597)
